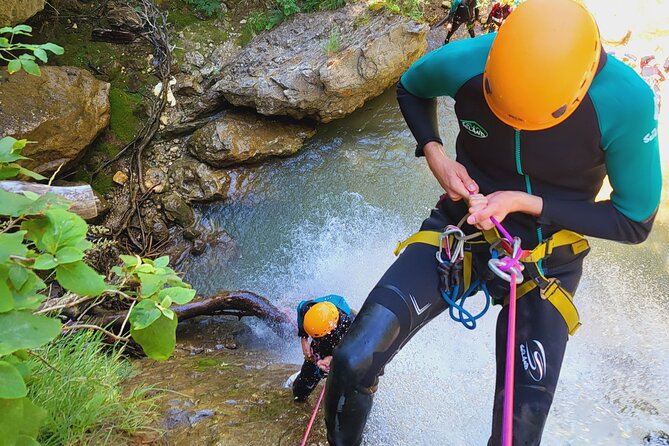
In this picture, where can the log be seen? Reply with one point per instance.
(236, 303)
(85, 202)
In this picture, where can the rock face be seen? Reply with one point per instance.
(195, 181)
(63, 110)
(13, 12)
(323, 65)
(243, 138)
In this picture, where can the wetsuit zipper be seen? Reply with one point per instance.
(528, 183)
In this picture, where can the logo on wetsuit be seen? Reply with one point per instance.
(474, 128)
(534, 359)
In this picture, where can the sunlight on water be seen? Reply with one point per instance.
(327, 220)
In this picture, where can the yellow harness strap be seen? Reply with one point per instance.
(560, 298)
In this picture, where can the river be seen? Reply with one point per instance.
(327, 220)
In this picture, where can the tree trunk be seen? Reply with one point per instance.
(85, 202)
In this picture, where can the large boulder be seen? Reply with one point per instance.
(13, 12)
(63, 110)
(244, 138)
(323, 65)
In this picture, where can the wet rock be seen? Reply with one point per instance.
(195, 181)
(195, 58)
(64, 110)
(178, 210)
(323, 65)
(199, 247)
(14, 12)
(200, 415)
(155, 179)
(176, 417)
(125, 17)
(240, 137)
(658, 438)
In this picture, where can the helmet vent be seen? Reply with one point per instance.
(559, 112)
(488, 89)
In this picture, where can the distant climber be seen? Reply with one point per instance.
(325, 320)
(462, 11)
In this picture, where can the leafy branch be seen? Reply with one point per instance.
(24, 61)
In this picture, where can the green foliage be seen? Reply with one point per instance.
(83, 397)
(24, 61)
(40, 235)
(409, 8)
(332, 44)
(207, 7)
(259, 21)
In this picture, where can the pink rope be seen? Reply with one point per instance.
(313, 417)
(507, 426)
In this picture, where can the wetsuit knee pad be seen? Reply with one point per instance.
(531, 406)
(360, 357)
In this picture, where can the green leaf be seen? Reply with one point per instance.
(179, 295)
(14, 66)
(158, 339)
(129, 261)
(166, 302)
(33, 418)
(146, 268)
(25, 440)
(144, 314)
(12, 245)
(64, 229)
(26, 298)
(25, 56)
(69, 254)
(161, 262)
(30, 173)
(55, 49)
(21, 28)
(18, 275)
(11, 382)
(30, 67)
(12, 204)
(170, 314)
(6, 29)
(45, 261)
(8, 172)
(22, 329)
(80, 279)
(6, 301)
(10, 155)
(12, 416)
(48, 201)
(41, 55)
(151, 283)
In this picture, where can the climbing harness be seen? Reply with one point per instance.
(503, 249)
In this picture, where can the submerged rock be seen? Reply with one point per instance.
(63, 110)
(242, 138)
(323, 65)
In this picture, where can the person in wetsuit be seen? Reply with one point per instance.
(536, 138)
(325, 320)
(498, 14)
(462, 11)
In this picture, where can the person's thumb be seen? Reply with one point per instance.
(470, 185)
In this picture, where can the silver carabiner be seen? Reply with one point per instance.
(495, 264)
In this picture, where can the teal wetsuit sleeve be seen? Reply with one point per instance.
(628, 125)
(301, 309)
(440, 73)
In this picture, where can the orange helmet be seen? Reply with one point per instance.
(541, 63)
(321, 319)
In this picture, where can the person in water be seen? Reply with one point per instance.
(325, 320)
(462, 11)
(542, 120)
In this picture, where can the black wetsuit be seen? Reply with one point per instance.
(613, 131)
(462, 11)
(311, 374)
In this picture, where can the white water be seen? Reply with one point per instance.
(327, 221)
